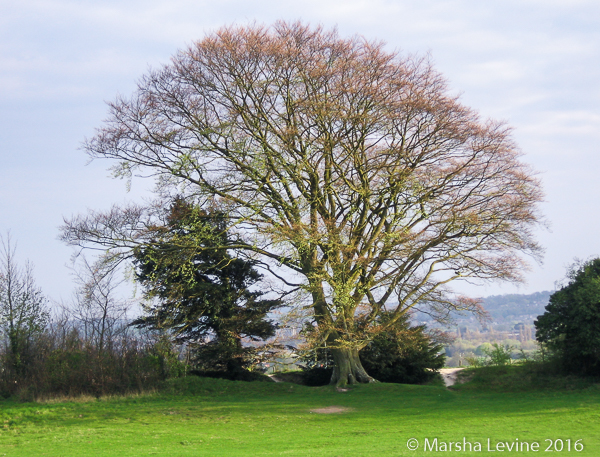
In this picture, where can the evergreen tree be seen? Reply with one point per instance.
(203, 293)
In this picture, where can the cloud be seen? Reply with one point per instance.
(569, 124)
(535, 63)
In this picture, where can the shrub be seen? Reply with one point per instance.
(316, 376)
(498, 355)
(65, 363)
(400, 354)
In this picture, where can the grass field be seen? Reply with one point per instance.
(208, 417)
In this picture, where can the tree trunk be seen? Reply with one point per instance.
(348, 368)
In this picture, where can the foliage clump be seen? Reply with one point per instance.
(495, 355)
(571, 324)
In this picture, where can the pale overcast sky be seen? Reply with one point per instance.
(533, 63)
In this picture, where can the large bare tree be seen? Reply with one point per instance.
(350, 166)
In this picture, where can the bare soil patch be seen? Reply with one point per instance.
(332, 410)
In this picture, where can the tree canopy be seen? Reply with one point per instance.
(347, 171)
(571, 324)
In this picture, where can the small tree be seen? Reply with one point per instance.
(203, 292)
(99, 313)
(498, 355)
(571, 324)
(23, 308)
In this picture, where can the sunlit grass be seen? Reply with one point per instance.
(198, 417)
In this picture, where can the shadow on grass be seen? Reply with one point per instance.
(528, 377)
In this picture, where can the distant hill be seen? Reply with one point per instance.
(516, 307)
(505, 311)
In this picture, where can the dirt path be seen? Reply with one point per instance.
(450, 375)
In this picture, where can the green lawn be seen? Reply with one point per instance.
(208, 417)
